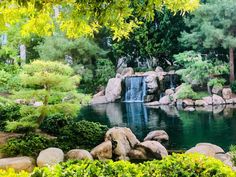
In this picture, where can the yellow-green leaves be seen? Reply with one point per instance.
(84, 18)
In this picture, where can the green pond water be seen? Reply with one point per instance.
(215, 125)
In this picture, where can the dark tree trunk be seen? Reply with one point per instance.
(231, 63)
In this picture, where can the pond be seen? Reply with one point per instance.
(185, 128)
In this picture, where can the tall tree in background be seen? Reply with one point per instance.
(155, 41)
(213, 25)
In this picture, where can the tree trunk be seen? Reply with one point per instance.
(231, 63)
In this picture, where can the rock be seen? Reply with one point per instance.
(78, 154)
(187, 102)
(5, 136)
(206, 149)
(37, 104)
(159, 69)
(172, 72)
(148, 150)
(227, 93)
(157, 135)
(188, 108)
(18, 163)
(127, 72)
(151, 81)
(216, 90)
(229, 101)
(113, 89)
(123, 140)
(50, 156)
(208, 100)
(118, 75)
(161, 75)
(154, 103)
(165, 100)
(200, 103)
(99, 94)
(103, 151)
(99, 100)
(217, 100)
(149, 98)
(148, 73)
(216, 109)
(169, 92)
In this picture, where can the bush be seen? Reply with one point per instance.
(28, 145)
(9, 111)
(54, 123)
(11, 173)
(186, 91)
(84, 134)
(184, 165)
(233, 86)
(232, 150)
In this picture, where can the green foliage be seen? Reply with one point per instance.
(104, 71)
(186, 91)
(154, 42)
(9, 111)
(233, 86)
(216, 82)
(83, 134)
(197, 70)
(27, 145)
(174, 165)
(232, 151)
(54, 85)
(84, 18)
(54, 123)
(11, 173)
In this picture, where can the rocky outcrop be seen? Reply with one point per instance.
(18, 163)
(157, 135)
(217, 100)
(127, 72)
(112, 92)
(103, 151)
(123, 140)
(206, 149)
(227, 93)
(165, 100)
(78, 154)
(148, 150)
(151, 81)
(113, 89)
(50, 156)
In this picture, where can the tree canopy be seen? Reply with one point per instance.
(212, 26)
(79, 17)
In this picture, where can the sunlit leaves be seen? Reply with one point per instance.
(79, 18)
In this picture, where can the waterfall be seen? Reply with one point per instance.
(135, 89)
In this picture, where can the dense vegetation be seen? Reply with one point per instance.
(175, 165)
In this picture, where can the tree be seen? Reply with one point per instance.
(213, 26)
(156, 40)
(53, 86)
(79, 18)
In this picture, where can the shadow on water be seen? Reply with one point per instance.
(184, 128)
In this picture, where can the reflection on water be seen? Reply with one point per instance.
(211, 124)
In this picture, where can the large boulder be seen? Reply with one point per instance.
(78, 154)
(148, 150)
(151, 81)
(50, 156)
(103, 151)
(207, 149)
(18, 163)
(159, 69)
(99, 100)
(165, 100)
(187, 102)
(157, 135)
(208, 100)
(127, 72)
(113, 89)
(200, 103)
(227, 93)
(123, 140)
(217, 100)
